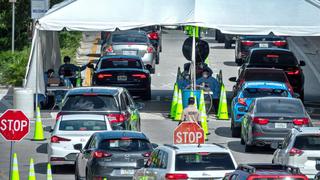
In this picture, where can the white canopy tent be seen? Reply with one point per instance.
(282, 17)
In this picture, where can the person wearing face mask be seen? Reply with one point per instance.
(200, 68)
(208, 81)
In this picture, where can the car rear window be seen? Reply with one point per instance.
(264, 38)
(203, 162)
(307, 142)
(120, 63)
(90, 102)
(264, 92)
(265, 76)
(289, 106)
(126, 38)
(82, 125)
(273, 58)
(125, 145)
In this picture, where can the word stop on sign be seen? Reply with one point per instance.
(13, 125)
(189, 137)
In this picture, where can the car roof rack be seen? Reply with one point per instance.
(251, 168)
(171, 146)
(220, 145)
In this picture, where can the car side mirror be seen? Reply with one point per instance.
(242, 109)
(140, 163)
(302, 63)
(139, 105)
(233, 79)
(48, 129)
(296, 95)
(154, 145)
(78, 146)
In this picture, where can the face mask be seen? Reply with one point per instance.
(205, 76)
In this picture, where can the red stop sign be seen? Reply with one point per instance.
(14, 125)
(188, 133)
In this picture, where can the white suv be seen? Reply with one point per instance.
(187, 161)
(70, 130)
(301, 148)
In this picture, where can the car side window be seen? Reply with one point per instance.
(153, 159)
(123, 102)
(130, 100)
(88, 143)
(93, 143)
(286, 141)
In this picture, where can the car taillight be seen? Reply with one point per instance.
(242, 101)
(296, 72)
(109, 49)
(150, 49)
(260, 121)
(58, 116)
(101, 76)
(301, 121)
(100, 154)
(153, 36)
(141, 76)
(176, 176)
(57, 139)
(279, 43)
(116, 118)
(147, 154)
(247, 43)
(295, 151)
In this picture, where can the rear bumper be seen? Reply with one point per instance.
(61, 156)
(261, 141)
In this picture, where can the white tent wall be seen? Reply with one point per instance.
(44, 55)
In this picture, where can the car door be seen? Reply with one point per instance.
(82, 158)
(132, 112)
(245, 124)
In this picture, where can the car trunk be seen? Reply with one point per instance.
(134, 49)
(121, 76)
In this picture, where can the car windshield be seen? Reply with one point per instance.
(125, 145)
(307, 142)
(82, 125)
(286, 106)
(90, 102)
(120, 63)
(203, 162)
(263, 92)
(127, 38)
(272, 58)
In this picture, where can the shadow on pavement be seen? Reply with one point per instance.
(237, 147)
(41, 168)
(43, 148)
(223, 132)
(230, 63)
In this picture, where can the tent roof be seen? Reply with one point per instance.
(282, 17)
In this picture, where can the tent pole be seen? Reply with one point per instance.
(194, 59)
(37, 66)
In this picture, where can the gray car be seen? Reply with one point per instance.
(131, 42)
(112, 155)
(270, 119)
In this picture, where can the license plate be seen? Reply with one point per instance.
(263, 45)
(126, 171)
(132, 53)
(122, 78)
(280, 125)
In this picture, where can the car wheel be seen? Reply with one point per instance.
(235, 132)
(248, 148)
(157, 59)
(147, 95)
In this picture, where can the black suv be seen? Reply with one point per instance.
(278, 58)
(114, 102)
(265, 171)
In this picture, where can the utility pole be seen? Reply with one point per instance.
(13, 23)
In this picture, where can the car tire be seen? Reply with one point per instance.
(235, 132)
(158, 59)
(147, 94)
(248, 148)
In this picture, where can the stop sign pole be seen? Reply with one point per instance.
(14, 126)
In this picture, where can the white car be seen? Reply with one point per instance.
(70, 130)
(301, 149)
(187, 161)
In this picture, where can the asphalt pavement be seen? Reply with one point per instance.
(155, 123)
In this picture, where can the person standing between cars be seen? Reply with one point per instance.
(191, 113)
(68, 71)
